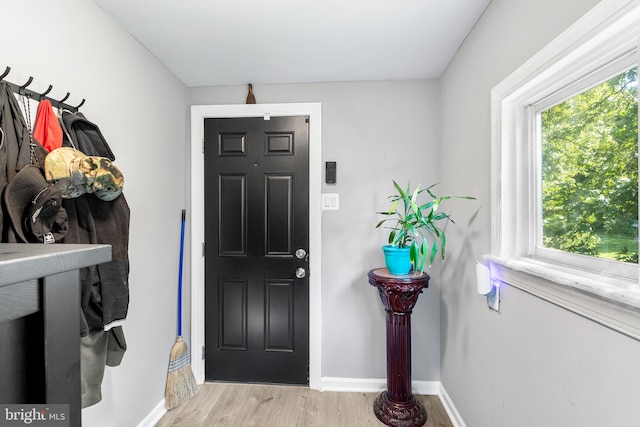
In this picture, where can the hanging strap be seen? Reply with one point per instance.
(33, 159)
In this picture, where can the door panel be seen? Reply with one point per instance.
(279, 215)
(233, 218)
(256, 217)
(233, 314)
(279, 316)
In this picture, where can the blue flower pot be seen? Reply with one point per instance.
(397, 259)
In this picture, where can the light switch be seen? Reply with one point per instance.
(330, 201)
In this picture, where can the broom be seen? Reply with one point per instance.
(181, 385)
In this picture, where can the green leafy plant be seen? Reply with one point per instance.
(415, 224)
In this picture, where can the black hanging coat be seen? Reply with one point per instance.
(92, 220)
(15, 152)
(105, 287)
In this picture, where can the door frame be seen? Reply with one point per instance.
(198, 114)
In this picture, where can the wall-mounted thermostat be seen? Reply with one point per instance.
(331, 172)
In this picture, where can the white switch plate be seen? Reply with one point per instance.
(330, 201)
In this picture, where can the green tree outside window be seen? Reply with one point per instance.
(590, 171)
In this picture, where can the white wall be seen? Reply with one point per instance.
(533, 364)
(376, 132)
(142, 110)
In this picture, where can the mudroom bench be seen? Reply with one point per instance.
(40, 322)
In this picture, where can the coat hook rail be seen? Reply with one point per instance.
(23, 90)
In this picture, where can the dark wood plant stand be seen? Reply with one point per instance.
(397, 406)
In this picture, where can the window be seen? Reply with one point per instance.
(565, 167)
(587, 169)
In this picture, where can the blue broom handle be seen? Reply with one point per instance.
(184, 212)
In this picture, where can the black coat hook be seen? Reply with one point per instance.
(65, 98)
(77, 107)
(43, 94)
(6, 73)
(24, 86)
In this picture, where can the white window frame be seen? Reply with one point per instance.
(602, 292)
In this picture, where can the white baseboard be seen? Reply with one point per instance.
(453, 413)
(154, 416)
(369, 385)
(431, 388)
(364, 385)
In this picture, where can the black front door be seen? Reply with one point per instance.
(256, 239)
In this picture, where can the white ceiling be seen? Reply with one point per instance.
(224, 42)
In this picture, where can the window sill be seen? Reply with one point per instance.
(611, 302)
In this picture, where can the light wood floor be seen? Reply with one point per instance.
(225, 404)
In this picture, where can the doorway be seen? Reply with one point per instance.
(256, 240)
(198, 115)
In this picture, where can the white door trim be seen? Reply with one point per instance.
(198, 114)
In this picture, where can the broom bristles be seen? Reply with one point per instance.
(181, 384)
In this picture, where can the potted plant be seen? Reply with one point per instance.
(415, 232)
